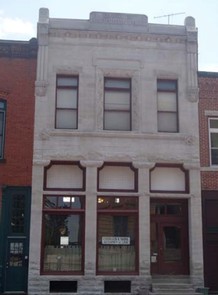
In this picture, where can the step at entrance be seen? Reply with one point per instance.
(170, 285)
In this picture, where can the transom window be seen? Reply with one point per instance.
(117, 104)
(2, 126)
(67, 102)
(213, 139)
(167, 106)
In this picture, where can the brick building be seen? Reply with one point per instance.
(116, 197)
(17, 78)
(208, 123)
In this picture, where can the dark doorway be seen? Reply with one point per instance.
(15, 237)
(210, 237)
(169, 237)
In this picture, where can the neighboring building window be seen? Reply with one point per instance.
(2, 126)
(117, 244)
(117, 104)
(213, 137)
(67, 102)
(63, 234)
(167, 106)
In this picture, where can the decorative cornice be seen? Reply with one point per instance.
(143, 164)
(40, 162)
(19, 49)
(40, 88)
(164, 38)
(86, 163)
(186, 138)
(192, 166)
(193, 94)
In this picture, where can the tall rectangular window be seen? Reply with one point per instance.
(167, 106)
(117, 104)
(63, 234)
(213, 138)
(117, 249)
(2, 126)
(67, 102)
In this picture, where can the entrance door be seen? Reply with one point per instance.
(16, 265)
(210, 231)
(15, 216)
(169, 238)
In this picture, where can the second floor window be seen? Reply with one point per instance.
(117, 104)
(167, 106)
(66, 102)
(213, 138)
(2, 127)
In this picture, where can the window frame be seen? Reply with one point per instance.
(212, 131)
(69, 163)
(120, 90)
(168, 165)
(63, 211)
(2, 132)
(77, 99)
(168, 90)
(119, 212)
(118, 164)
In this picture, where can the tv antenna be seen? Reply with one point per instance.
(169, 15)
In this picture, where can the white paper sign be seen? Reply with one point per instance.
(116, 240)
(64, 241)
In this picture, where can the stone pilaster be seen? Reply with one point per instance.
(195, 229)
(91, 215)
(192, 60)
(144, 217)
(36, 226)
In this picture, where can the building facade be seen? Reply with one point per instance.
(116, 195)
(208, 122)
(17, 82)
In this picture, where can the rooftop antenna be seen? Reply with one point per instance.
(169, 15)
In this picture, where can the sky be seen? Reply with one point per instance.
(18, 18)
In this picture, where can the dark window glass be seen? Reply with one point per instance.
(117, 203)
(17, 214)
(16, 254)
(167, 106)
(66, 102)
(213, 130)
(117, 104)
(172, 243)
(117, 234)
(2, 126)
(63, 231)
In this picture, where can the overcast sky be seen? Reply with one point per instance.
(18, 18)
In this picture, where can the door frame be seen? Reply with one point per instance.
(158, 266)
(7, 235)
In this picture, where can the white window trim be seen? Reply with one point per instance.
(211, 130)
(3, 111)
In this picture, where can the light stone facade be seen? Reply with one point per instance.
(127, 46)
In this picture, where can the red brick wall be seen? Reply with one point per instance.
(208, 91)
(17, 78)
